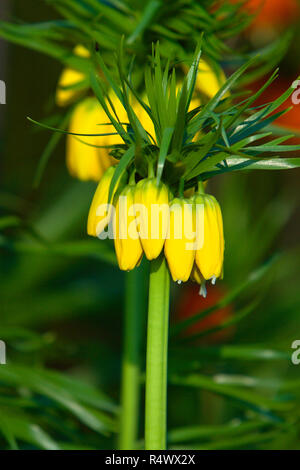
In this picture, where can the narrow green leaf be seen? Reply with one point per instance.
(148, 14)
(247, 398)
(195, 123)
(163, 151)
(120, 170)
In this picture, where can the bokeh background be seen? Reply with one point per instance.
(61, 301)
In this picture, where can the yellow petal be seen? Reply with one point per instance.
(209, 257)
(68, 78)
(152, 212)
(97, 220)
(85, 160)
(178, 245)
(127, 242)
(81, 51)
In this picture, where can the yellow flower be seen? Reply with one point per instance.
(85, 159)
(68, 78)
(127, 242)
(98, 221)
(209, 256)
(179, 243)
(152, 210)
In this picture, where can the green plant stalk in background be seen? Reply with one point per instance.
(135, 314)
(157, 355)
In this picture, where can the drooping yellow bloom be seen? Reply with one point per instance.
(99, 214)
(152, 211)
(179, 245)
(68, 78)
(210, 255)
(85, 159)
(127, 242)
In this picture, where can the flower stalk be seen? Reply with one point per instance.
(134, 327)
(157, 355)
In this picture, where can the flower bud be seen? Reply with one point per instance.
(152, 212)
(127, 242)
(210, 255)
(179, 245)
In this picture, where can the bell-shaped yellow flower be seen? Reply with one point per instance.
(126, 237)
(89, 157)
(85, 159)
(179, 245)
(210, 254)
(152, 212)
(68, 78)
(99, 214)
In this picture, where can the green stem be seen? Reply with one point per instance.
(181, 188)
(150, 169)
(201, 189)
(135, 314)
(157, 354)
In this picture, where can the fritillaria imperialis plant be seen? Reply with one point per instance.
(171, 143)
(152, 119)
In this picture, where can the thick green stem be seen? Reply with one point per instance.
(157, 355)
(135, 314)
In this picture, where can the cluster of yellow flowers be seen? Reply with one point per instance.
(89, 158)
(168, 228)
